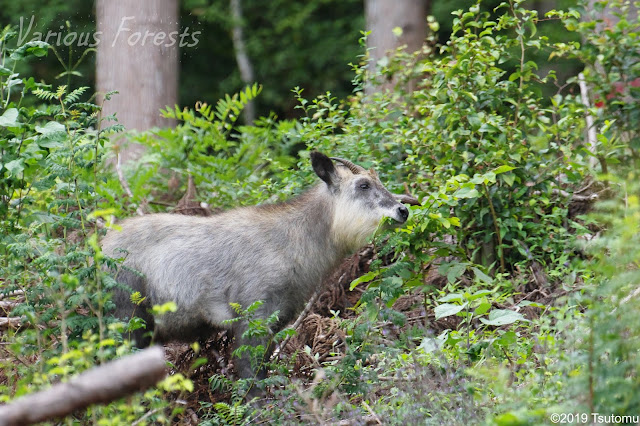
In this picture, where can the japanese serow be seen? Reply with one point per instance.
(277, 253)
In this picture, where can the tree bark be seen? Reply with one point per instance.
(101, 384)
(242, 58)
(608, 17)
(138, 57)
(382, 16)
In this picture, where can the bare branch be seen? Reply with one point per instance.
(7, 305)
(591, 130)
(298, 321)
(9, 322)
(101, 384)
(12, 294)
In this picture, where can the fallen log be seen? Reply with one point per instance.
(101, 384)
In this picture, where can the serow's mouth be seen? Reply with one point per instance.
(401, 214)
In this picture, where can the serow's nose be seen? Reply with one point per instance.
(403, 213)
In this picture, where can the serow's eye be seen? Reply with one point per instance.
(365, 186)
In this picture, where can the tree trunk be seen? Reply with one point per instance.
(608, 15)
(138, 57)
(242, 58)
(382, 16)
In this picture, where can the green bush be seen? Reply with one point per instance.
(53, 190)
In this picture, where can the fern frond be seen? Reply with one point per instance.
(74, 96)
(61, 91)
(44, 94)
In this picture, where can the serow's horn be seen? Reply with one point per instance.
(355, 169)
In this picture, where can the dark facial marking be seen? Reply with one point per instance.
(363, 184)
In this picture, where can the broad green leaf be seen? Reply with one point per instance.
(477, 294)
(45, 142)
(51, 128)
(502, 317)
(456, 297)
(445, 222)
(455, 271)
(455, 221)
(478, 179)
(482, 308)
(474, 120)
(481, 275)
(15, 167)
(509, 178)
(489, 177)
(487, 128)
(448, 309)
(36, 48)
(507, 338)
(503, 169)
(467, 192)
(9, 118)
(452, 270)
(433, 344)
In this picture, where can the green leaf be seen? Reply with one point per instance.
(481, 275)
(467, 192)
(507, 339)
(509, 178)
(364, 279)
(448, 309)
(503, 169)
(488, 128)
(530, 303)
(9, 118)
(455, 221)
(457, 297)
(53, 133)
(482, 308)
(455, 271)
(475, 121)
(51, 128)
(502, 317)
(36, 48)
(45, 142)
(478, 294)
(198, 362)
(15, 167)
(433, 344)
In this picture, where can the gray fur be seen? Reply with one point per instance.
(275, 253)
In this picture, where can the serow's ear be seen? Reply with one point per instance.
(323, 166)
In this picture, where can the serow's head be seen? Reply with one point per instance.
(361, 201)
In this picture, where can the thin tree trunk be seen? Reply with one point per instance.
(138, 57)
(242, 58)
